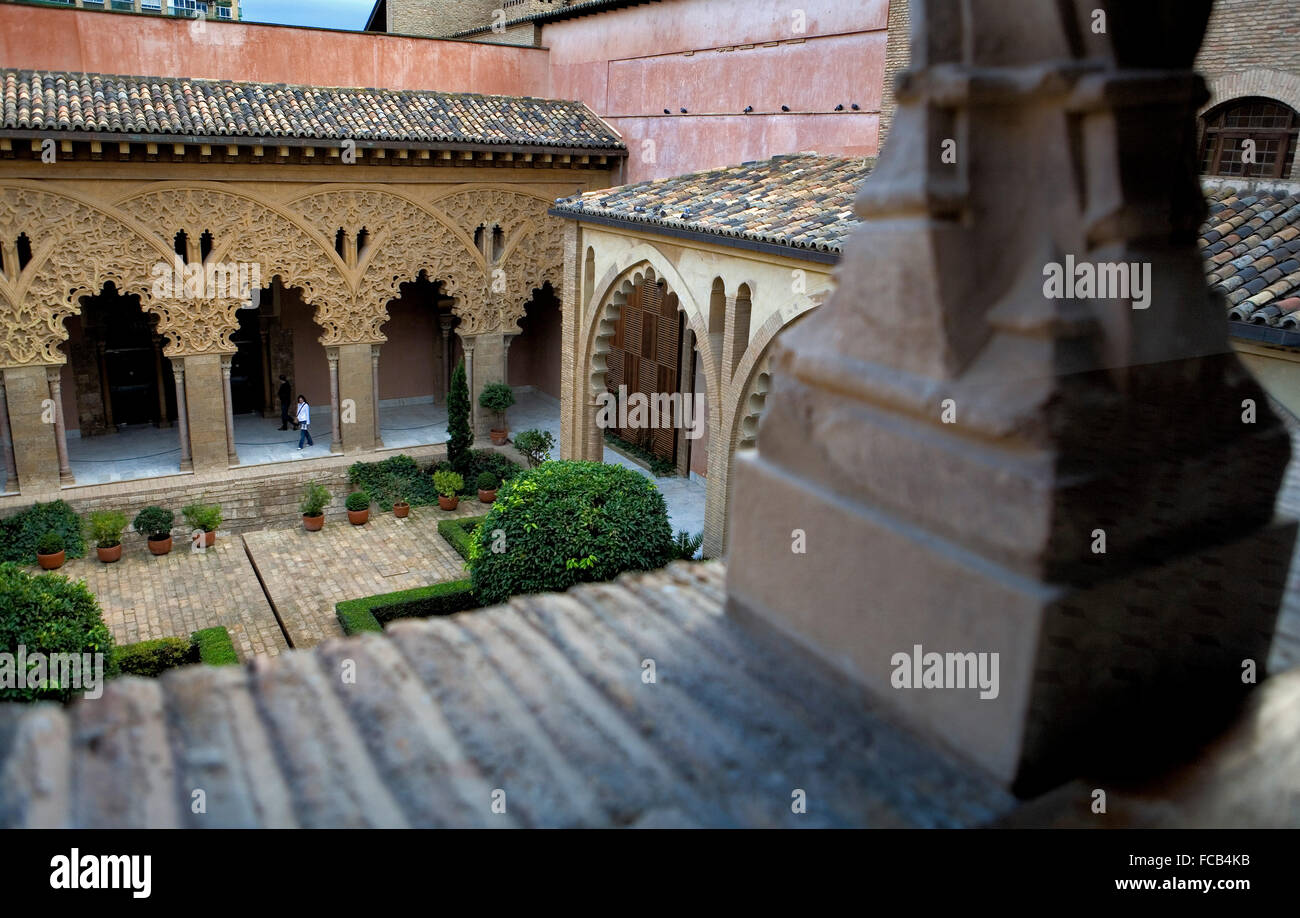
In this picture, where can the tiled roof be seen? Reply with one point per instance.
(542, 698)
(178, 106)
(800, 200)
(1251, 245)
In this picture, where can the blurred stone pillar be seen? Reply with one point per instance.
(231, 454)
(336, 439)
(957, 459)
(182, 414)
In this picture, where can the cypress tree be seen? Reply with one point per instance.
(459, 436)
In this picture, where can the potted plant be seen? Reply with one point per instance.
(497, 397)
(358, 504)
(105, 527)
(155, 524)
(487, 487)
(314, 500)
(535, 445)
(448, 485)
(205, 518)
(50, 552)
(397, 487)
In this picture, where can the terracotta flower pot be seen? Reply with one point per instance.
(487, 497)
(209, 539)
(111, 554)
(358, 517)
(52, 561)
(160, 546)
(401, 510)
(448, 503)
(313, 523)
(499, 435)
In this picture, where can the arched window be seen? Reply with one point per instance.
(1270, 125)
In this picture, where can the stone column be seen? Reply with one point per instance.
(573, 294)
(205, 396)
(487, 365)
(467, 343)
(106, 393)
(54, 375)
(7, 440)
(356, 385)
(268, 387)
(445, 323)
(374, 366)
(31, 430)
(231, 455)
(163, 420)
(336, 440)
(182, 414)
(956, 458)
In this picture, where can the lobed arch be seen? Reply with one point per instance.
(615, 290)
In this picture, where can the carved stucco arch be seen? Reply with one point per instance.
(249, 229)
(78, 245)
(749, 389)
(600, 326)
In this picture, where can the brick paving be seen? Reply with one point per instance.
(306, 573)
(146, 597)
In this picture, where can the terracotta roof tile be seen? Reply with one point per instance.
(800, 200)
(1250, 244)
(102, 103)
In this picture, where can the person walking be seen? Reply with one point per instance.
(304, 421)
(286, 393)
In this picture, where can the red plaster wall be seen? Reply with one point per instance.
(311, 370)
(407, 365)
(631, 64)
(93, 41)
(535, 356)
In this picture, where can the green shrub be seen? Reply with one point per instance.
(152, 658)
(50, 544)
(569, 522)
(358, 501)
(420, 602)
(686, 545)
(356, 620)
(203, 516)
(214, 646)
(497, 397)
(315, 498)
(486, 481)
(20, 533)
(105, 527)
(154, 522)
(458, 532)
(48, 614)
(448, 483)
(475, 462)
(393, 478)
(536, 446)
(459, 437)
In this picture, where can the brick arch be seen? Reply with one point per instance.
(1256, 82)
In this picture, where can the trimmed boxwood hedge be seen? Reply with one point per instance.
(458, 532)
(569, 522)
(153, 658)
(376, 479)
(20, 532)
(371, 612)
(215, 647)
(49, 614)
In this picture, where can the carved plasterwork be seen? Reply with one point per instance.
(79, 244)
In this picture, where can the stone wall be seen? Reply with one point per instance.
(897, 54)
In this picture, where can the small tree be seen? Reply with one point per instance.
(459, 436)
(535, 445)
(497, 397)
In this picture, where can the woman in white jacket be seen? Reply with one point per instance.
(304, 421)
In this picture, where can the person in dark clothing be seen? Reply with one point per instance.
(285, 393)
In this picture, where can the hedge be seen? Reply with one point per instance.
(376, 479)
(474, 462)
(153, 658)
(215, 647)
(371, 612)
(20, 533)
(568, 522)
(459, 532)
(49, 614)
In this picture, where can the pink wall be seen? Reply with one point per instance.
(716, 57)
(535, 356)
(311, 371)
(93, 41)
(408, 363)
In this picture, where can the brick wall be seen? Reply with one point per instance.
(440, 17)
(897, 54)
(1251, 33)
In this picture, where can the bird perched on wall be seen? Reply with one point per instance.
(840, 107)
(785, 108)
(683, 111)
(748, 109)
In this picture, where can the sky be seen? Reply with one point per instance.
(321, 14)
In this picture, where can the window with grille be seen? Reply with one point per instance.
(1271, 127)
